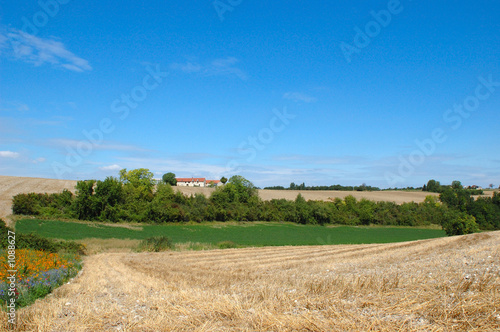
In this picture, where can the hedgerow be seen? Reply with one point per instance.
(135, 197)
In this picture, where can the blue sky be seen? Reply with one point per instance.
(387, 93)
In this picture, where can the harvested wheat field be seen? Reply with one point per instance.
(396, 196)
(13, 185)
(446, 284)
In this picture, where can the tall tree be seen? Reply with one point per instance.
(138, 183)
(433, 186)
(137, 177)
(169, 178)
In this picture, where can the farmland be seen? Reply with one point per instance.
(440, 284)
(241, 234)
(282, 276)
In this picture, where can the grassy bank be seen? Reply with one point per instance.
(242, 234)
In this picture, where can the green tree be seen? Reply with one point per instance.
(85, 204)
(366, 210)
(496, 198)
(456, 185)
(138, 183)
(223, 180)
(433, 186)
(108, 195)
(302, 210)
(137, 177)
(244, 188)
(459, 223)
(449, 197)
(169, 178)
(237, 190)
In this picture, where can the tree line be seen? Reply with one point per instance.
(434, 186)
(303, 186)
(136, 197)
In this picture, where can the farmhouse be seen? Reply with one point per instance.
(196, 182)
(214, 183)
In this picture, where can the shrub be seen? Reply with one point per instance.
(27, 204)
(226, 245)
(156, 244)
(459, 223)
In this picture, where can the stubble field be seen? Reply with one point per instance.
(446, 284)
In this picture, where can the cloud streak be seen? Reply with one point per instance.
(9, 154)
(299, 97)
(104, 146)
(218, 67)
(39, 51)
(114, 167)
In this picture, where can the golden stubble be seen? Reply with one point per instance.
(447, 284)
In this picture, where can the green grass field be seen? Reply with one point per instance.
(244, 234)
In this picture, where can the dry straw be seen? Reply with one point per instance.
(448, 284)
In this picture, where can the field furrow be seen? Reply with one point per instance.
(432, 285)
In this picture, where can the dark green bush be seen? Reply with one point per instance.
(227, 245)
(459, 223)
(156, 244)
(28, 204)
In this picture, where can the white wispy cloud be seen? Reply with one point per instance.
(319, 160)
(9, 154)
(39, 51)
(114, 167)
(298, 96)
(3, 42)
(187, 67)
(218, 67)
(105, 145)
(13, 106)
(226, 66)
(59, 122)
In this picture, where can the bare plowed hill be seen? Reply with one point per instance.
(446, 284)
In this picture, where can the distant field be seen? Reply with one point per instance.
(247, 234)
(11, 186)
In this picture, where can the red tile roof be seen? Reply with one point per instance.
(190, 179)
